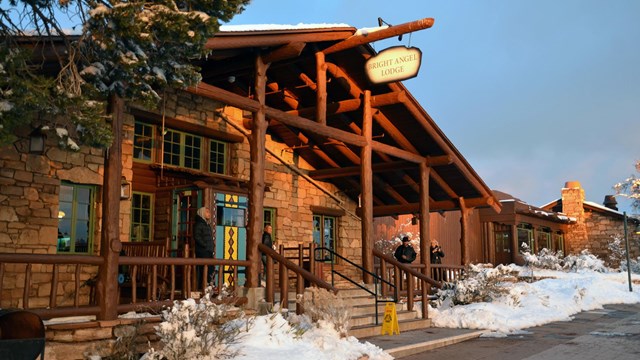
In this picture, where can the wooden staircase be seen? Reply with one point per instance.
(363, 314)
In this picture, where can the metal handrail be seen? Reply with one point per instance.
(376, 277)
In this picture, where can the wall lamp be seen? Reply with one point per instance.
(37, 139)
(125, 189)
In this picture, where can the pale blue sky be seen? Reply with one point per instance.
(532, 93)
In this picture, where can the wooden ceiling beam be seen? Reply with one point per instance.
(445, 205)
(389, 32)
(349, 105)
(355, 170)
(288, 51)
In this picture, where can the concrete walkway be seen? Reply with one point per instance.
(417, 341)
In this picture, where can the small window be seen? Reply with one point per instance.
(181, 149)
(217, 157)
(172, 148)
(558, 241)
(543, 236)
(141, 216)
(324, 235)
(75, 219)
(143, 142)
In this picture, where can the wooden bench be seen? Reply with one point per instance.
(142, 273)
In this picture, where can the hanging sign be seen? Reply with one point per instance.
(394, 64)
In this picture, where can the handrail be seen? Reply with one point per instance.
(290, 265)
(410, 274)
(376, 278)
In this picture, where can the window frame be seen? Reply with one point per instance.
(182, 149)
(152, 139)
(151, 213)
(90, 203)
(321, 230)
(213, 156)
(528, 229)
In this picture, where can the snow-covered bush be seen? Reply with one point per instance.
(196, 330)
(635, 265)
(323, 306)
(545, 259)
(481, 283)
(584, 261)
(550, 260)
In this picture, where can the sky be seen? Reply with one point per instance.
(556, 297)
(533, 93)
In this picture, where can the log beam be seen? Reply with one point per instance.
(389, 32)
(444, 205)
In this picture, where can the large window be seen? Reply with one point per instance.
(141, 216)
(503, 238)
(75, 218)
(543, 235)
(217, 157)
(558, 241)
(143, 142)
(324, 234)
(525, 237)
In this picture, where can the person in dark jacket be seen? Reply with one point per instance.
(405, 252)
(268, 241)
(203, 237)
(436, 255)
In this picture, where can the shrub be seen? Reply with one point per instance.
(324, 306)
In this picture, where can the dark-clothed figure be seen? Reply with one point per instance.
(436, 258)
(405, 252)
(203, 237)
(266, 240)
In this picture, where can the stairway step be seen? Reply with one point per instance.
(369, 319)
(374, 330)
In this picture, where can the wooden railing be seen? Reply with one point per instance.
(285, 266)
(178, 285)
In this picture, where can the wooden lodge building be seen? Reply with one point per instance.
(285, 129)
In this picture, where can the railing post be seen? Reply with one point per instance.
(409, 292)
(269, 276)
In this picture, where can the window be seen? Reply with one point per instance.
(324, 234)
(75, 218)
(543, 236)
(502, 238)
(143, 142)
(217, 157)
(181, 149)
(525, 237)
(270, 219)
(558, 241)
(141, 216)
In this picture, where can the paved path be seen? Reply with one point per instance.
(610, 333)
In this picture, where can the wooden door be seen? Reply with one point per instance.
(503, 246)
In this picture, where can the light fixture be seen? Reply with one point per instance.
(36, 141)
(414, 220)
(125, 189)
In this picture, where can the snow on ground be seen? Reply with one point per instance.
(556, 297)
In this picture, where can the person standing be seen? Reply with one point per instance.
(405, 252)
(268, 241)
(203, 237)
(436, 255)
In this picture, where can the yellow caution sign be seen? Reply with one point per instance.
(390, 320)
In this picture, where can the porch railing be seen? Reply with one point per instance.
(168, 279)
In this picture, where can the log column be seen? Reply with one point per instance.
(464, 231)
(366, 182)
(257, 152)
(110, 246)
(425, 235)
(321, 91)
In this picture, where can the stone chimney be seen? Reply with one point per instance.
(610, 202)
(576, 238)
(573, 199)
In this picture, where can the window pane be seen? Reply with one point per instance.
(66, 193)
(143, 142)
(75, 218)
(141, 217)
(217, 156)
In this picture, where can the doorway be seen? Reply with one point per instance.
(231, 233)
(502, 236)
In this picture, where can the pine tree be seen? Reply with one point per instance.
(131, 49)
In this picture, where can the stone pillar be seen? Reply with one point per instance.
(576, 238)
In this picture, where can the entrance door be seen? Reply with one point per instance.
(502, 235)
(231, 233)
(186, 203)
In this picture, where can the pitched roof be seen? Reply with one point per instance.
(399, 120)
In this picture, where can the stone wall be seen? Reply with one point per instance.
(594, 230)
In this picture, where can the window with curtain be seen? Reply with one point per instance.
(75, 219)
(143, 142)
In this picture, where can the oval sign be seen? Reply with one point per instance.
(394, 64)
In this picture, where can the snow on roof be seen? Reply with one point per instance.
(602, 207)
(265, 27)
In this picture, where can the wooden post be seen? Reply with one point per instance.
(425, 234)
(110, 246)
(464, 232)
(366, 180)
(321, 92)
(257, 152)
